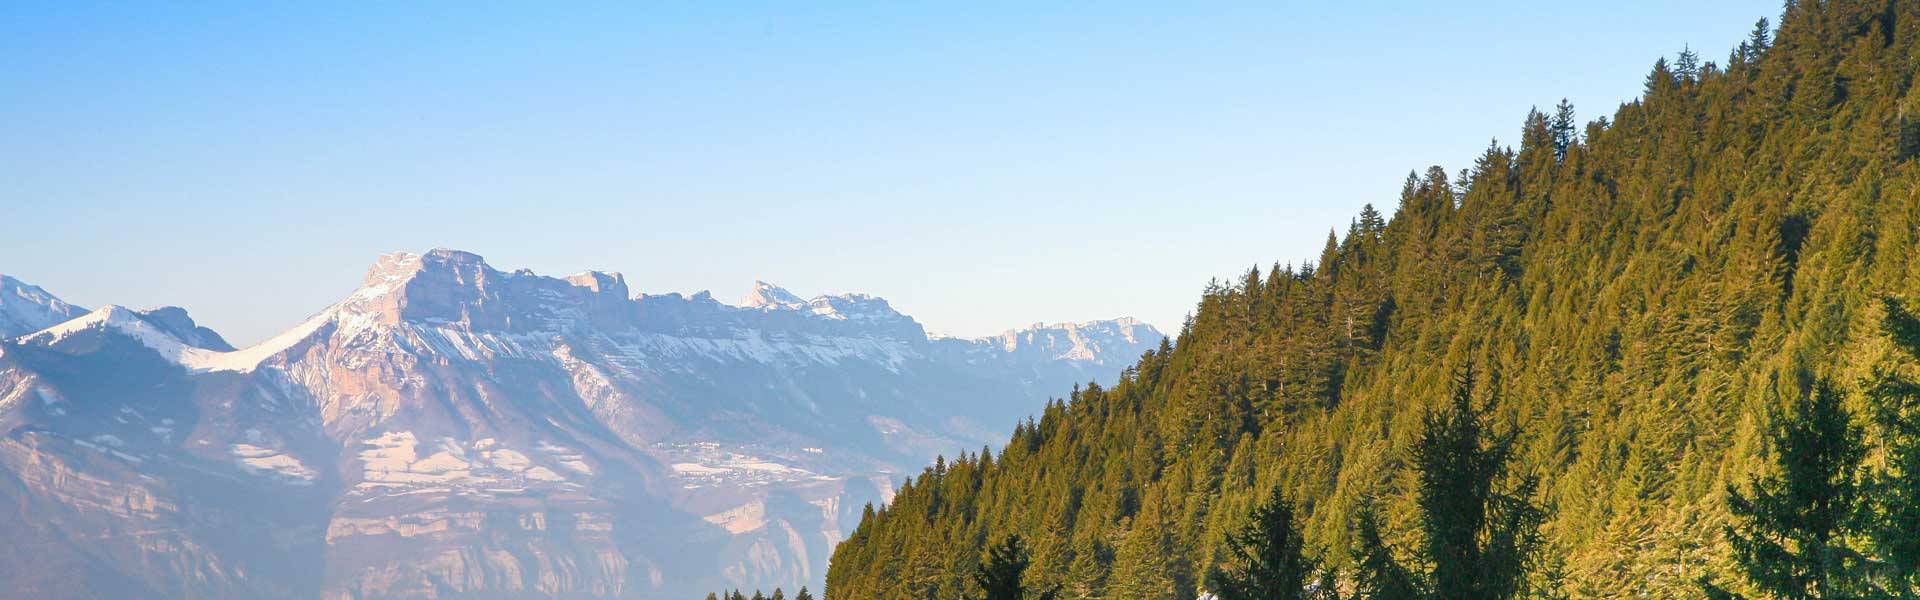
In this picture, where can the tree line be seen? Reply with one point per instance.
(1647, 302)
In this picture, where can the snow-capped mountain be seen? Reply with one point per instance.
(27, 308)
(452, 430)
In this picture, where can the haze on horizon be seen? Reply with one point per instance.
(982, 167)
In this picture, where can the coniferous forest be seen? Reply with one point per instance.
(1670, 352)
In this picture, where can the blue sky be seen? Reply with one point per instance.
(982, 165)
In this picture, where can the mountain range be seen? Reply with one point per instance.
(452, 430)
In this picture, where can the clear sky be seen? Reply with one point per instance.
(982, 165)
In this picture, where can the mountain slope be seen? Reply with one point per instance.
(1641, 295)
(25, 308)
(452, 430)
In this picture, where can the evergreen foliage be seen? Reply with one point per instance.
(1269, 559)
(1001, 575)
(1480, 541)
(1789, 534)
(1654, 298)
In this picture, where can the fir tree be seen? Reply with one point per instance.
(1141, 566)
(1660, 80)
(1371, 222)
(1687, 65)
(1759, 41)
(1480, 540)
(1789, 531)
(1381, 576)
(1269, 557)
(1002, 575)
(1893, 509)
(1565, 136)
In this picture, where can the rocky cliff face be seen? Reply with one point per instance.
(452, 430)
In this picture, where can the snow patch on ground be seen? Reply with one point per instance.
(258, 460)
(400, 459)
(703, 464)
(741, 519)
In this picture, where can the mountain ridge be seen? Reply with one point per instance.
(483, 432)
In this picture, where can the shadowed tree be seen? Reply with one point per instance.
(1789, 531)
(1480, 541)
(1269, 558)
(1001, 575)
(1893, 503)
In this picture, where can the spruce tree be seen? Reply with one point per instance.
(1893, 508)
(1371, 222)
(1564, 133)
(1789, 531)
(1141, 566)
(1480, 540)
(1381, 577)
(1759, 41)
(1687, 65)
(1002, 575)
(803, 594)
(1269, 557)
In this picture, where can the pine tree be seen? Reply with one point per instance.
(1269, 557)
(804, 594)
(1789, 531)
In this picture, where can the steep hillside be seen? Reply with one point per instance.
(1643, 293)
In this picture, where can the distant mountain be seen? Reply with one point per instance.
(26, 308)
(452, 430)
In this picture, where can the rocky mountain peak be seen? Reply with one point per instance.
(175, 321)
(1079, 341)
(769, 296)
(601, 282)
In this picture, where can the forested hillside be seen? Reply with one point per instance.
(1642, 297)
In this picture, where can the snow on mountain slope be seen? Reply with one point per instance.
(451, 429)
(25, 308)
